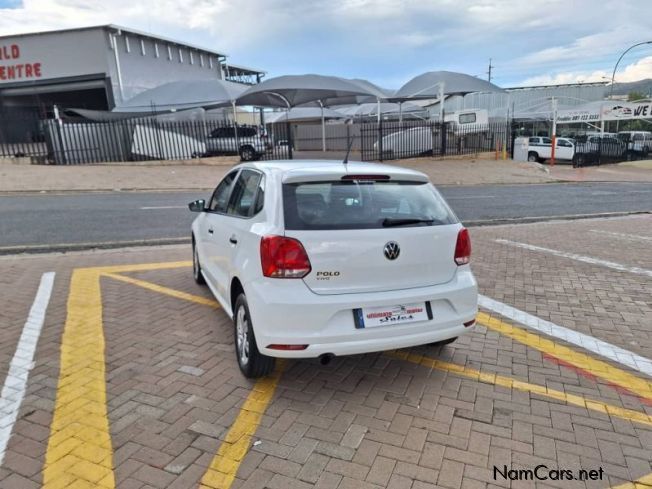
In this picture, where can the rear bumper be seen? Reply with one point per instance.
(286, 312)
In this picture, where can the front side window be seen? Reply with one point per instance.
(221, 195)
(243, 198)
(362, 205)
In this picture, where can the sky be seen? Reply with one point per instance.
(530, 42)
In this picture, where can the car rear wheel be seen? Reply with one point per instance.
(247, 153)
(532, 156)
(196, 267)
(252, 363)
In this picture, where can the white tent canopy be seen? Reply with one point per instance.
(183, 95)
(299, 114)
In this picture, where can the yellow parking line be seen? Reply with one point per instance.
(164, 290)
(491, 378)
(603, 370)
(224, 466)
(642, 483)
(144, 267)
(79, 450)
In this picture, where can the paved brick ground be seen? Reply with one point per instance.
(368, 421)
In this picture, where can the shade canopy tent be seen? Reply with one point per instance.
(183, 95)
(290, 91)
(371, 109)
(440, 84)
(294, 90)
(430, 85)
(302, 114)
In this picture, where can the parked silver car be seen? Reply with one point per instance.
(243, 141)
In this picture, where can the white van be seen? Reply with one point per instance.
(464, 120)
(637, 141)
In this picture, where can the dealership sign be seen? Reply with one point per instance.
(12, 67)
(606, 111)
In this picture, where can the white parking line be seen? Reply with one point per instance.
(576, 257)
(21, 364)
(594, 345)
(469, 197)
(155, 208)
(628, 237)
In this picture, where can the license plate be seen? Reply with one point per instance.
(372, 317)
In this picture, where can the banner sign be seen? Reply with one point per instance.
(611, 111)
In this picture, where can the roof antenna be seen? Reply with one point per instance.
(348, 151)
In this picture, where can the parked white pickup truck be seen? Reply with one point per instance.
(540, 149)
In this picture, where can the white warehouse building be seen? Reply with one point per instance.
(100, 67)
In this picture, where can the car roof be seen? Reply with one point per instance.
(321, 169)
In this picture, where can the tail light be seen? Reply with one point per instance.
(463, 247)
(283, 257)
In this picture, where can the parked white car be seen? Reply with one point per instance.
(316, 259)
(540, 149)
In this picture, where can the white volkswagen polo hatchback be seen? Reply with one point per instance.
(322, 258)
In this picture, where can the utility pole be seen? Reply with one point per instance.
(489, 71)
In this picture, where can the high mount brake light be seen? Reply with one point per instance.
(365, 177)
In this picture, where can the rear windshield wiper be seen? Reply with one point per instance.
(389, 222)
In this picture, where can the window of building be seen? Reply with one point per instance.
(127, 46)
(142, 47)
(192, 59)
(201, 60)
(169, 53)
(156, 49)
(180, 56)
(210, 62)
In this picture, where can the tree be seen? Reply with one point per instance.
(634, 96)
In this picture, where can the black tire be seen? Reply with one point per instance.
(443, 342)
(247, 153)
(533, 157)
(252, 363)
(196, 266)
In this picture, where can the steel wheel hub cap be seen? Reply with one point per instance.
(242, 336)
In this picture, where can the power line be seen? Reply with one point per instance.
(489, 71)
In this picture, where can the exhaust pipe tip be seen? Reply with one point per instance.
(326, 358)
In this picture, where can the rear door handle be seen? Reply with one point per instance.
(233, 240)
(210, 230)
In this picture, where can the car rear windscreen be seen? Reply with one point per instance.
(363, 204)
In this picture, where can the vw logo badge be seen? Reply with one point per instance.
(392, 250)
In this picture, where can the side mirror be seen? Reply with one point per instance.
(197, 206)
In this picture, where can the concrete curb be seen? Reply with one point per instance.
(68, 247)
(570, 217)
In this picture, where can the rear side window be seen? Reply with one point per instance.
(362, 205)
(247, 132)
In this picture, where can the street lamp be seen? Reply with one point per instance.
(611, 92)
